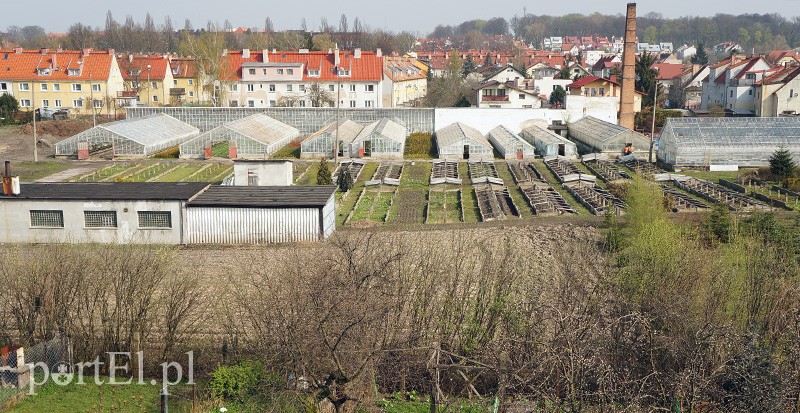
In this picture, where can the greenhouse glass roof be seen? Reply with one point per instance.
(505, 137)
(455, 132)
(151, 130)
(262, 128)
(710, 132)
(544, 135)
(384, 127)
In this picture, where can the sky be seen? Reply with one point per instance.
(419, 16)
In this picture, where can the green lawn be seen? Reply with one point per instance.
(292, 150)
(444, 206)
(347, 204)
(420, 146)
(106, 173)
(310, 175)
(31, 171)
(220, 150)
(715, 176)
(214, 173)
(180, 173)
(90, 397)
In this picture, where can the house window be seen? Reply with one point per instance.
(352, 88)
(24, 87)
(289, 71)
(57, 103)
(368, 104)
(98, 104)
(522, 96)
(45, 103)
(4, 86)
(47, 219)
(280, 71)
(302, 103)
(302, 88)
(56, 87)
(272, 103)
(95, 87)
(251, 71)
(233, 103)
(191, 82)
(750, 92)
(155, 98)
(43, 87)
(73, 72)
(154, 85)
(369, 88)
(331, 88)
(77, 87)
(191, 94)
(288, 88)
(250, 88)
(234, 87)
(271, 88)
(77, 103)
(155, 219)
(352, 103)
(100, 219)
(25, 103)
(251, 103)
(731, 93)
(344, 72)
(313, 73)
(175, 82)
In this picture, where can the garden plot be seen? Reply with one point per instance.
(596, 199)
(494, 202)
(354, 167)
(640, 166)
(372, 206)
(682, 201)
(719, 194)
(483, 172)
(445, 172)
(444, 206)
(410, 206)
(106, 174)
(540, 195)
(604, 169)
(387, 174)
(564, 170)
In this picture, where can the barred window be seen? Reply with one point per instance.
(155, 219)
(47, 219)
(100, 219)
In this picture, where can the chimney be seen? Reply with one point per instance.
(265, 54)
(87, 50)
(626, 115)
(336, 59)
(110, 51)
(245, 53)
(274, 51)
(378, 52)
(303, 51)
(130, 58)
(224, 52)
(10, 183)
(43, 50)
(357, 53)
(18, 50)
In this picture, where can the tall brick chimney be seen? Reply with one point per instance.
(626, 116)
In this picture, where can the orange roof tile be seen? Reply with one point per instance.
(18, 64)
(368, 67)
(667, 71)
(400, 69)
(183, 67)
(130, 64)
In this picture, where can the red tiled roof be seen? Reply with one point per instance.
(780, 75)
(747, 68)
(668, 71)
(400, 69)
(129, 65)
(18, 64)
(589, 79)
(368, 67)
(183, 67)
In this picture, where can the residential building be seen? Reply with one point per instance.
(779, 93)
(148, 79)
(691, 85)
(605, 64)
(730, 84)
(686, 52)
(80, 80)
(598, 87)
(783, 57)
(667, 72)
(507, 88)
(304, 78)
(187, 87)
(403, 82)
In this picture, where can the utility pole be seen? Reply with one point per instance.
(338, 99)
(653, 125)
(33, 106)
(91, 98)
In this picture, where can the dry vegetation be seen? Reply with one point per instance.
(631, 318)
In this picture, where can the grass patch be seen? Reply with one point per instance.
(214, 173)
(362, 210)
(149, 172)
(173, 152)
(366, 172)
(292, 150)
(105, 173)
(181, 173)
(347, 204)
(419, 145)
(714, 177)
(31, 171)
(310, 175)
(220, 150)
(416, 175)
(444, 206)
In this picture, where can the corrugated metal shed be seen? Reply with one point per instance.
(133, 137)
(602, 136)
(727, 141)
(386, 138)
(108, 191)
(461, 141)
(509, 144)
(548, 143)
(321, 142)
(257, 135)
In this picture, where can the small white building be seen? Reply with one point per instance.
(384, 139)
(459, 141)
(508, 144)
(320, 144)
(269, 172)
(548, 143)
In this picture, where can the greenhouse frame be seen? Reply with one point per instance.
(384, 139)
(509, 145)
(255, 137)
(548, 143)
(595, 135)
(459, 141)
(137, 137)
(744, 142)
(320, 144)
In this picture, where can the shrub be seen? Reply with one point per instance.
(324, 173)
(237, 382)
(173, 152)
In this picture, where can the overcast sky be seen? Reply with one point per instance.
(395, 15)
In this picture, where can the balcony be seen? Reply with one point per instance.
(494, 98)
(177, 91)
(126, 94)
(741, 82)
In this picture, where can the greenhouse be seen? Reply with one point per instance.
(548, 143)
(509, 145)
(137, 137)
(595, 135)
(256, 136)
(382, 139)
(743, 142)
(459, 141)
(320, 144)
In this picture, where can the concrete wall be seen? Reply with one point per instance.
(266, 173)
(15, 227)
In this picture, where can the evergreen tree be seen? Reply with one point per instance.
(781, 164)
(324, 173)
(700, 58)
(8, 107)
(646, 78)
(558, 96)
(488, 61)
(468, 67)
(345, 180)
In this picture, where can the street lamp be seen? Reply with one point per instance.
(148, 85)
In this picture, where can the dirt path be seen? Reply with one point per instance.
(77, 170)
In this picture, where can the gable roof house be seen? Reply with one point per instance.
(598, 87)
(187, 87)
(732, 88)
(303, 78)
(778, 94)
(80, 80)
(403, 82)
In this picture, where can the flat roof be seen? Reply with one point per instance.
(108, 191)
(313, 196)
